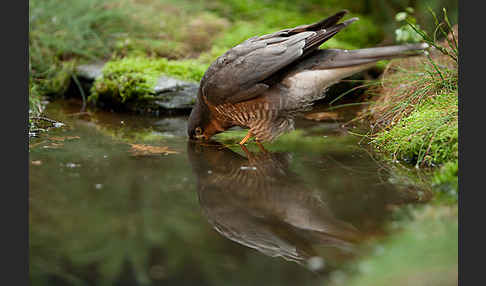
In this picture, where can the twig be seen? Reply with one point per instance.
(349, 91)
(347, 105)
(78, 84)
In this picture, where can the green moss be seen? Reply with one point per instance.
(185, 69)
(429, 135)
(35, 106)
(60, 80)
(424, 252)
(133, 79)
(445, 180)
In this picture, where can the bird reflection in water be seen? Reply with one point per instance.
(257, 201)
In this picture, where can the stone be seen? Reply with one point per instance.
(178, 99)
(171, 95)
(90, 72)
(168, 84)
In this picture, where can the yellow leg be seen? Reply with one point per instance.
(248, 136)
(252, 158)
(248, 154)
(260, 146)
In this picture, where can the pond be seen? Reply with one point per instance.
(125, 199)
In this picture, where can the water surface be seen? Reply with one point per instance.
(127, 200)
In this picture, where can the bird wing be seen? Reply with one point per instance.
(239, 74)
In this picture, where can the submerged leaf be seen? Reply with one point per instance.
(147, 150)
(55, 138)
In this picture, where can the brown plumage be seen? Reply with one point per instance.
(259, 202)
(262, 83)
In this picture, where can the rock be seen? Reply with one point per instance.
(180, 99)
(171, 95)
(168, 84)
(175, 94)
(90, 72)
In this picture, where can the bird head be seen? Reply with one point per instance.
(198, 121)
(201, 124)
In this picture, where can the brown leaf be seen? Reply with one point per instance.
(147, 150)
(35, 144)
(56, 138)
(37, 162)
(63, 138)
(54, 145)
(72, 137)
(320, 116)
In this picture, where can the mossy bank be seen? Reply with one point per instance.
(415, 118)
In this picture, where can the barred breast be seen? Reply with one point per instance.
(265, 116)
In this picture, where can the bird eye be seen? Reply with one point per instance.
(198, 130)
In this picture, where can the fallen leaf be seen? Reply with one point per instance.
(147, 150)
(320, 116)
(56, 138)
(54, 145)
(35, 144)
(63, 138)
(72, 137)
(37, 162)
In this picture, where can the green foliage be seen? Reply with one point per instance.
(412, 32)
(153, 47)
(35, 106)
(134, 78)
(364, 33)
(420, 116)
(417, 114)
(407, 34)
(429, 135)
(446, 180)
(64, 33)
(61, 29)
(64, 30)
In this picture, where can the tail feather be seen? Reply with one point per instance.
(334, 58)
(307, 81)
(325, 34)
